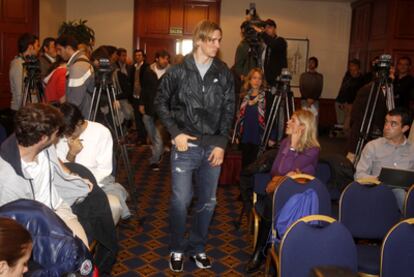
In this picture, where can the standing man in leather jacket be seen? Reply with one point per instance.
(195, 101)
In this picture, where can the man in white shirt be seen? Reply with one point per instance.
(90, 144)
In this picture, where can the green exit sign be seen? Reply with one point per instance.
(176, 31)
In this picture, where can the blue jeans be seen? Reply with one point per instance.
(155, 137)
(184, 165)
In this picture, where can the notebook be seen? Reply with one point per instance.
(396, 177)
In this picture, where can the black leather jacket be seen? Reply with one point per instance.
(204, 108)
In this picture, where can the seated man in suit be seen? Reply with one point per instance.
(393, 150)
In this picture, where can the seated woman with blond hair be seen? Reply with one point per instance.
(298, 153)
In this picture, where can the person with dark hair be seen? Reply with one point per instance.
(90, 144)
(15, 248)
(28, 45)
(404, 84)
(274, 57)
(123, 88)
(195, 102)
(351, 83)
(310, 87)
(149, 83)
(244, 59)
(393, 150)
(80, 81)
(124, 66)
(55, 82)
(48, 56)
(139, 68)
(30, 169)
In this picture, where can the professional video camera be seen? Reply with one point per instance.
(285, 76)
(31, 65)
(103, 69)
(382, 65)
(250, 34)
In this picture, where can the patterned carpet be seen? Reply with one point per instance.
(144, 251)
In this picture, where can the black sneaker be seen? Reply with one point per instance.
(155, 167)
(176, 261)
(202, 261)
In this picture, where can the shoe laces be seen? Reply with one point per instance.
(177, 256)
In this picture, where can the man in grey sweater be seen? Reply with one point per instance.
(310, 85)
(80, 81)
(28, 45)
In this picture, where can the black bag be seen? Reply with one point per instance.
(342, 171)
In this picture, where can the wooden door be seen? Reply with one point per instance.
(16, 18)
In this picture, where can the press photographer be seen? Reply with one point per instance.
(275, 52)
(28, 45)
(250, 47)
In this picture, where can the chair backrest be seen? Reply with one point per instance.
(305, 246)
(323, 172)
(409, 203)
(290, 187)
(397, 252)
(368, 211)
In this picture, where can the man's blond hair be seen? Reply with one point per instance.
(204, 30)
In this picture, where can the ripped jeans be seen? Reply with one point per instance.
(185, 165)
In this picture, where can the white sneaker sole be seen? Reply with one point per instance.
(200, 265)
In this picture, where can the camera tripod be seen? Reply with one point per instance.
(106, 86)
(380, 85)
(32, 92)
(283, 106)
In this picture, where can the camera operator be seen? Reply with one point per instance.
(28, 46)
(275, 54)
(80, 81)
(245, 59)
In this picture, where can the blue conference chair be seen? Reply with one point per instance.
(298, 183)
(397, 252)
(368, 211)
(305, 246)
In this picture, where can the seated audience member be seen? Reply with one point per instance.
(393, 150)
(15, 248)
(298, 153)
(30, 169)
(55, 82)
(90, 144)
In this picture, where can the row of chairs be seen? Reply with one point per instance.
(306, 246)
(367, 211)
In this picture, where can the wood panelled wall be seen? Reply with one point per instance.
(155, 22)
(16, 18)
(382, 26)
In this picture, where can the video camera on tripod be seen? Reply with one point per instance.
(380, 85)
(103, 69)
(33, 89)
(250, 34)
